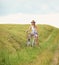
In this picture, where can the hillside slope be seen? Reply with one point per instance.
(13, 50)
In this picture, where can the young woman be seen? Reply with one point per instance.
(33, 32)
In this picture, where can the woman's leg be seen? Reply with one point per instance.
(36, 40)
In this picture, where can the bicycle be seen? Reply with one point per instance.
(30, 39)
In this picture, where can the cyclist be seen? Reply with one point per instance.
(33, 32)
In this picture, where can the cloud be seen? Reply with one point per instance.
(22, 0)
(20, 18)
(44, 7)
(28, 6)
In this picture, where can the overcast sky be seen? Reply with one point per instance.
(29, 6)
(24, 11)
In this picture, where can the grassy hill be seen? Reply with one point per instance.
(13, 50)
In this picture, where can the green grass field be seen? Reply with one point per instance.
(13, 49)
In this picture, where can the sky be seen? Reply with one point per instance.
(29, 6)
(23, 11)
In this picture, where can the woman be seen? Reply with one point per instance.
(33, 32)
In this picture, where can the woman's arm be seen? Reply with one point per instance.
(37, 28)
(29, 29)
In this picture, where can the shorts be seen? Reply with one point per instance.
(34, 34)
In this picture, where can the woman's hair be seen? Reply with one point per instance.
(33, 21)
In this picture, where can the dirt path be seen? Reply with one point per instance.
(55, 59)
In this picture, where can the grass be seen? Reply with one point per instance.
(13, 50)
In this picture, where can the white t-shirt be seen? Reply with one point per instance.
(33, 29)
